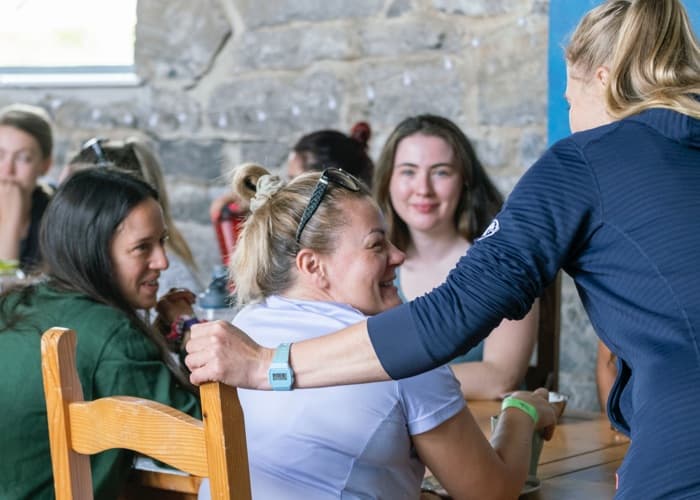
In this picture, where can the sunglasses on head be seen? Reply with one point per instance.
(95, 145)
(338, 177)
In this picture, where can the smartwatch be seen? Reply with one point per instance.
(280, 374)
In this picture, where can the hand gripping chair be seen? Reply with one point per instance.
(214, 447)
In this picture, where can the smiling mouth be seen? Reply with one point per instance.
(388, 283)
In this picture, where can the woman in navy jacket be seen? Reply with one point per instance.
(616, 205)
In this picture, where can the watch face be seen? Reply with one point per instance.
(281, 379)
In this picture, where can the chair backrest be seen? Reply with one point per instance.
(546, 372)
(214, 447)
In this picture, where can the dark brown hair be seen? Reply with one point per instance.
(479, 200)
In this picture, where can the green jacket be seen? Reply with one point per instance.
(113, 358)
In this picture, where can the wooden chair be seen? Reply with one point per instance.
(546, 372)
(214, 447)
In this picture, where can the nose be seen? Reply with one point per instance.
(6, 167)
(422, 184)
(159, 259)
(396, 256)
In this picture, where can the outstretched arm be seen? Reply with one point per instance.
(220, 351)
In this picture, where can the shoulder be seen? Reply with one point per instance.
(279, 319)
(79, 312)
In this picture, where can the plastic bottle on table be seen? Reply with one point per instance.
(215, 302)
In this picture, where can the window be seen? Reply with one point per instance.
(67, 42)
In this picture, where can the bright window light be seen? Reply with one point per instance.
(67, 34)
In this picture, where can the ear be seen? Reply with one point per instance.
(602, 76)
(311, 268)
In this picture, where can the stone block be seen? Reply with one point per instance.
(398, 8)
(273, 106)
(255, 13)
(513, 76)
(202, 241)
(188, 201)
(179, 39)
(198, 160)
(171, 111)
(408, 36)
(295, 47)
(478, 8)
(396, 89)
(532, 144)
(271, 155)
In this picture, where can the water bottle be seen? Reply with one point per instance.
(227, 227)
(215, 303)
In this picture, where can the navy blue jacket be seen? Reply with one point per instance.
(618, 208)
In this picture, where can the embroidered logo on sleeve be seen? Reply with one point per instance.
(491, 230)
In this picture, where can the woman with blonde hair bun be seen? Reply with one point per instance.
(314, 256)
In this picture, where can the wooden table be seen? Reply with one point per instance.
(578, 463)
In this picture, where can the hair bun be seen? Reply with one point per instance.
(244, 182)
(361, 132)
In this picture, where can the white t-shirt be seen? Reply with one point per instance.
(346, 442)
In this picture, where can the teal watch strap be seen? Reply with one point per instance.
(511, 402)
(280, 374)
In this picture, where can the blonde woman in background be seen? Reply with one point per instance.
(135, 156)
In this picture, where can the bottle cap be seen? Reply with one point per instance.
(216, 295)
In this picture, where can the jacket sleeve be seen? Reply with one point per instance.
(542, 227)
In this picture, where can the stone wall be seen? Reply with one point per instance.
(225, 81)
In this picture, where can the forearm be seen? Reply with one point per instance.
(512, 442)
(219, 351)
(484, 379)
(345, 357)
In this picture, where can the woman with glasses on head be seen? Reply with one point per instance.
(102, 239)
(313, 257)
(26, 144)
(438, 200)
(135, 156)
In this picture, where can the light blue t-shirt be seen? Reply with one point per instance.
(349, 442)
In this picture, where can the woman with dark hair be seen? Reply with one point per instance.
(26, 145)
(312, 153)
(103, 239)
(135, 156)
(438, 199)
(331, 148)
